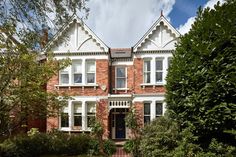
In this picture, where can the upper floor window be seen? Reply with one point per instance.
(147, 112)
(64, 76)
(90, 71)
(147, 71)
(77, 71)
(159, 109)
(159, 70)
(120, 77)
(80, 72)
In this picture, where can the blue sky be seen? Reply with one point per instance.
(121, 23)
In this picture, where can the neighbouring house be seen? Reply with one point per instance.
(105, 82)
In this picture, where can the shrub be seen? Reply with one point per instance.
(109, 147)
(132, 146)
(93, 147)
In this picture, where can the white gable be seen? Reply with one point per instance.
(161, 36)
(77, 37)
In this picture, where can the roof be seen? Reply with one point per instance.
(65, 27)
(160, 20)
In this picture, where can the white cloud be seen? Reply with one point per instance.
(183, 29)
(121, 23)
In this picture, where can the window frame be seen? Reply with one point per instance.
(146, 72)
(162, 109)
(67, 69)
(125, 77)
(86, 71)
(73, 73)
(146, 115)
(92, 114)
(80, 114)
(159, 71)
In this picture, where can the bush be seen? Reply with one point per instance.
(93, 147)
(132, 146)
(44, 144)
(109, 147)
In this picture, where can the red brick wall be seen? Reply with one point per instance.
(138, 69)
(102, 115)
(139, 112)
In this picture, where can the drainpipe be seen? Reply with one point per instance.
(110, 72)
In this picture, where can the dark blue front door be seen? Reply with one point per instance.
(120, 126)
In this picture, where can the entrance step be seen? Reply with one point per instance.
(120, 153)
(119, 143)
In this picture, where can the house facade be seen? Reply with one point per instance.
(106, 82)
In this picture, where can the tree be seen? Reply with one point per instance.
(23, 78)
(201, 86)
(22, 74)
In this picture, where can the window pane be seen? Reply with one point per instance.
(147, 78)
(90, 66)
(120, 72)
(64, 120)
(159, 109)
(77, 78)
(120, 83)
(159, 65)
(90, 78)
(64, 78)
(146, 119)
(158, 76)
(146, 109)
(147, 66)
(77, 66)
(91, 110)
(77, 119)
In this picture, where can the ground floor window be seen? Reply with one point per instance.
(159, 109)
(78, 115)
(147, 112)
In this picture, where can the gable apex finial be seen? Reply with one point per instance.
(161, 12)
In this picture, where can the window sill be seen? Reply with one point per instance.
(76, 85)
(67, 129)
(143, 85)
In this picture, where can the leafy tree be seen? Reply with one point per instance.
(201, 85)
(23, 81)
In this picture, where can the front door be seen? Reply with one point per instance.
(120, 126)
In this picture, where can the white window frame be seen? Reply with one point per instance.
(146, 72)
(145, 115)
(162, 111)
(73, 114)
(94, 103)
(121, 77)
(162, 71)
(72, 71)
(86, 70)
(63, 71)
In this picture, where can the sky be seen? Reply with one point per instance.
(121, 23)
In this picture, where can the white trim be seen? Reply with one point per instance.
(122, 63)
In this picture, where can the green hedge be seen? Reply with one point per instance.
(55, 143)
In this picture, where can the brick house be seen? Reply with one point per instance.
(105, 82)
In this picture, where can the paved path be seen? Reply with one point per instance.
(120, 153)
